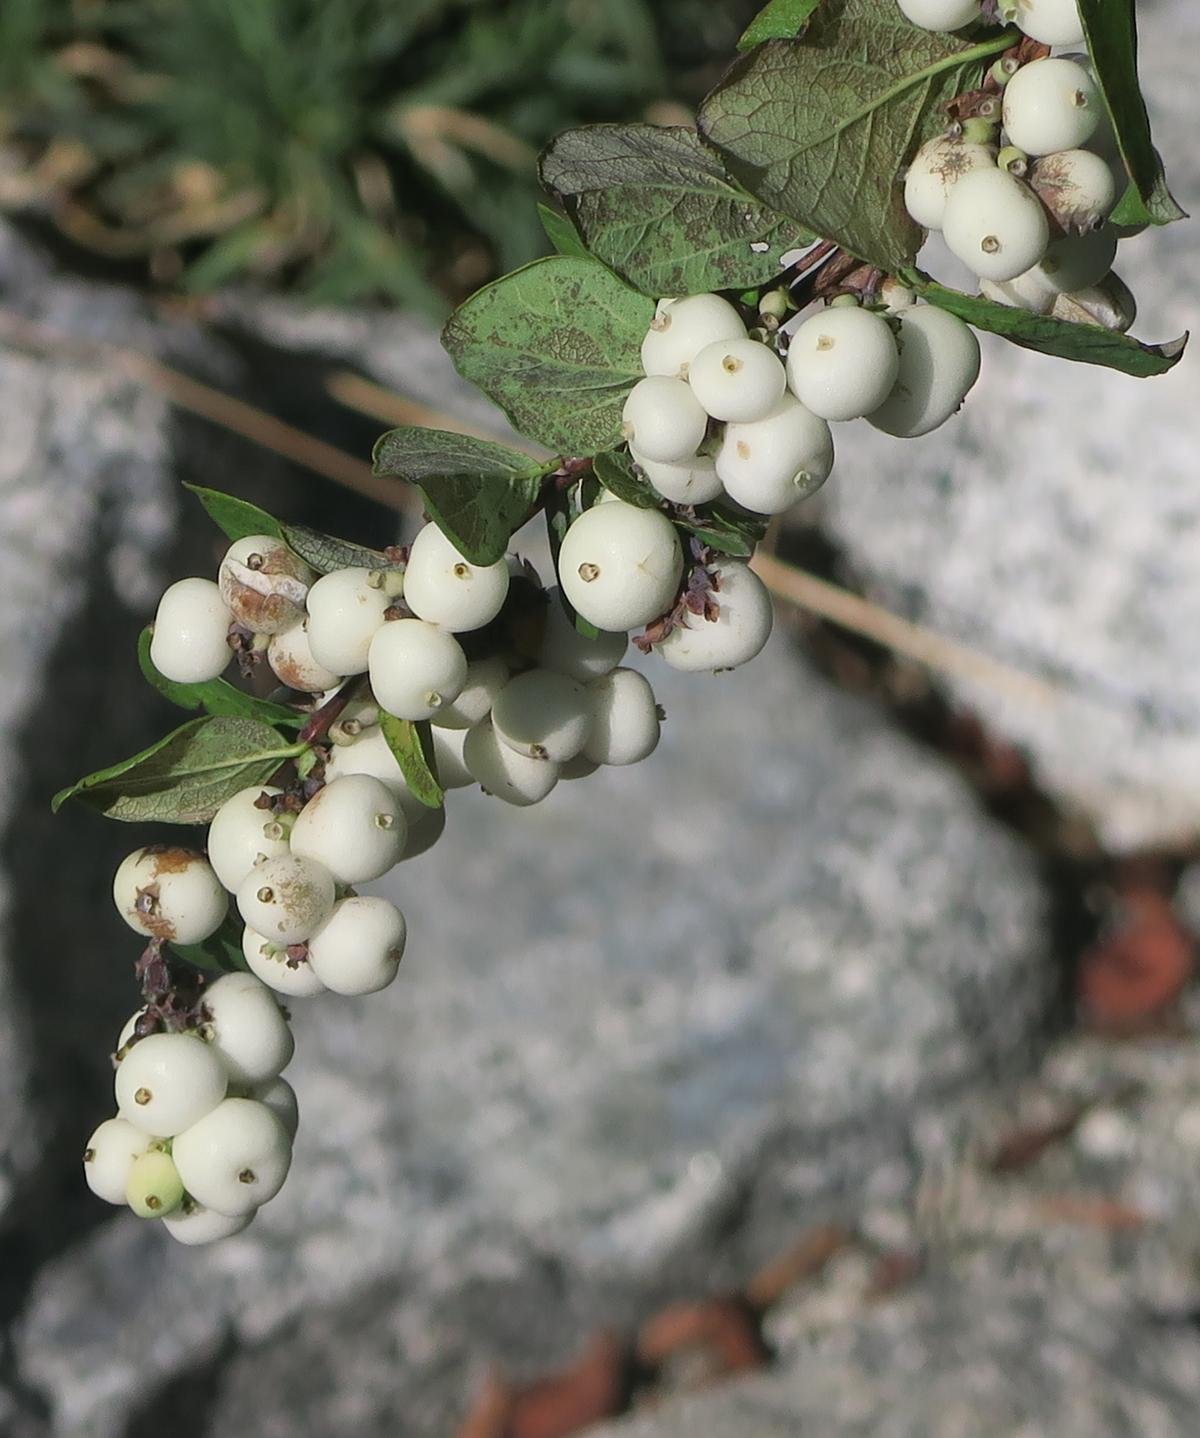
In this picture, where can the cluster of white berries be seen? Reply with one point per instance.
(1022, 191)
(203, 1132)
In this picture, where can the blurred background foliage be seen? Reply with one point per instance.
(344, 149)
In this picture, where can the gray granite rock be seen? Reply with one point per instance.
(1052, 524)
(644, 1033)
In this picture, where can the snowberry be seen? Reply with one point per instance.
(936, 168)
(153, 1188)
(415, 668)
(193, 1224)
(1072, 262)
(620, 566)
(1110, 304)
(128, 1031)
(448, 744)
(271, 963)
(624, 718)
(190, 642)
(1077, 187)
(485, 679)
(995, 225)
(444, 588)
(894, 296)
(291, 659)
(742, 626)
(354, 826)
(1052, 22)
(425, 830)
(939, 362)
(737, 379)
(345, 609)
(681, 328)
(663, 419)
(235, 1158)
(1051, 105)
(371, 754)
(503, 772)
(280, 1097)
(285, 899)
(581, 767)
(168, 1081)
(358, 949)
(941, 14)
(842, 363)
(691, 481)
(568, 652)
(543, 715)
(109, 1156)
(773, 463)
(264, 584)
(246, 1028)
(243, 834)
(169, 893)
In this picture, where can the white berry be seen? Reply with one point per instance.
(939, 362)
(270, 963)
(371, 754)
(280, 1097)
(452, 773)
(190, 643)
(168, 1081)
(193, 1224)
(568, 652)
(170, 894)
(235, 1158)
(624, 719)
(681, 328)
(345, 609)
(620, 566)
(242, 834)
(503, 772)
(663, 419)
(359, 947)
(581, 767)
(936, 168)
(1051, 105)
(291, 659)
(543, 715)
(1073, 262)
(737, 379)
(425, 829)
(940, 14)
(485, 679)
(264, 584)
(354, 826)
(246, 1028)
(415, 668)
(1052, 22)
(842, 362)
(995, 225)
(153, 1188)
(109, 1156)
(691, 481)
(1077, 187)
(741, 628)
(285, 899)
(772, 464)
(444, 588)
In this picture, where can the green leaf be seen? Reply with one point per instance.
(237, 517)
(725, 530)
(217, 696)
(1110, 27)
(476, 492)
(657, 206)
(557, 345)
(820, 129)
(412, 744)
(188, 775)
(615, 471)
(1088, 344)
(326, 554)
(781, 20)
(561, 233)
(221, 952)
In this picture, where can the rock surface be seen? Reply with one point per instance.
(1052, 524)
